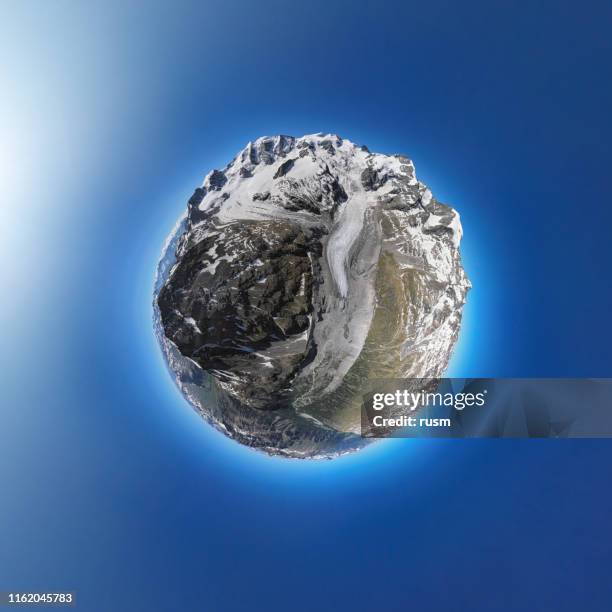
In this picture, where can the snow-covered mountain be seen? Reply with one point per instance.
(305, 268)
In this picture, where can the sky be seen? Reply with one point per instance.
(110, 115)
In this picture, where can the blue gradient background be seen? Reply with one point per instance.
(110, 115)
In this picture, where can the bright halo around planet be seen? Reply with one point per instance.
(301, 271)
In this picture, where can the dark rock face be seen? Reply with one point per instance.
(370, 179)
(328, 146)
(284, 168)
(261, 197)
(194, 202)
(229, 299)
(216, 180)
